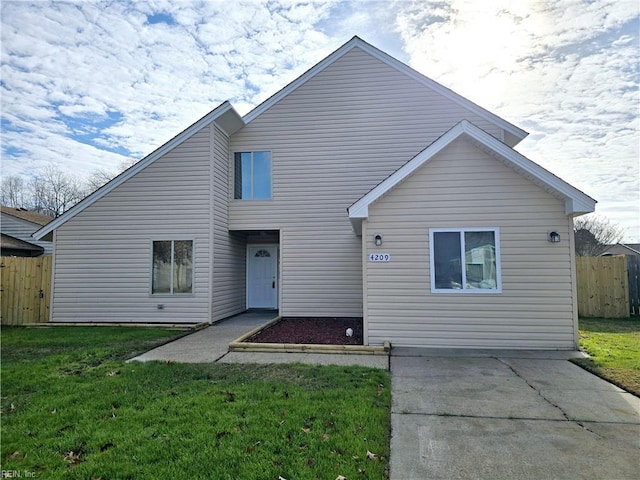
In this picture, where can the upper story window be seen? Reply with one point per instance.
(252, 176)
(465, 260)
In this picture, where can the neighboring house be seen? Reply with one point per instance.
(16, 226)
(623, 249)
(361, 189)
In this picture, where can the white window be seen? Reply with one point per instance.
(252, 176)
(172, 267)
(465, 260)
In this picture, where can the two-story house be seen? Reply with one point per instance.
(363, 188)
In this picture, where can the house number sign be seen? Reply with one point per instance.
(379, 257)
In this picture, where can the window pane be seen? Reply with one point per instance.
(161, 281)
(237, 176)
(183, 266)
(246, 175)
(447, 262)
(261, 175)
(480, 260)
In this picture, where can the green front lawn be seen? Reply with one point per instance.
(614, 347)
(73, 408)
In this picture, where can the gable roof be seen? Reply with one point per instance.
(228, 119)
(24, 214)
(576, 202)
(225, 117)
(516, 134)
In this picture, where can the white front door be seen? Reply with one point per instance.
(262, 276)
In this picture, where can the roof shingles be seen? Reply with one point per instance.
(27, 215)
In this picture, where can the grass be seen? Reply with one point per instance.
(73, 408)
(614, 347)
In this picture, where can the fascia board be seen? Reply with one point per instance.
(138, 167)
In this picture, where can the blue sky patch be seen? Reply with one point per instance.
(161, 18)
(89, 129)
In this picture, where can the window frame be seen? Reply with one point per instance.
(172, 239)
(464, 290)
(252, 152)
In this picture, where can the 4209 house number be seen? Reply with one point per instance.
(379, 257)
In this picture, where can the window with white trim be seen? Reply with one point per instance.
(252, 176)
(172, 267)
(465, 260)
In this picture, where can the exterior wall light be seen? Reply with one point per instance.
(377, 239)
(554, 237)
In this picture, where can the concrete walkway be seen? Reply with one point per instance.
(211, 344)
(508, 415)
(473, 414)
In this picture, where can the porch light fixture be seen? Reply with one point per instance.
(377, 239)
(554, 237)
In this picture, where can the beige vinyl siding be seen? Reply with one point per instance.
(331, 141)
(229, 257)
(22, 230)
(464, 187)
(103, 254)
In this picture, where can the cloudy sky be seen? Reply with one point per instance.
(89, 85)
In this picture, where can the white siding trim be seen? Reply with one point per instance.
(212, 161)
(281, 236)
(357, 42)
(365, 286)
(576, 202)
(574, 285)
(217, 113)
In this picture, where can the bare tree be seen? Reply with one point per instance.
(594, 234)
(54, 192)
(101, 176)
(14, 192)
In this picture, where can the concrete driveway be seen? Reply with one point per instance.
(508, 415)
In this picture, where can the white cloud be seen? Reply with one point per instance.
(82, 81)
(75, 59)
(565, 71)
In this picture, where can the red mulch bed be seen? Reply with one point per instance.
(311, 330)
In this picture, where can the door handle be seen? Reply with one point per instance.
(273, 284)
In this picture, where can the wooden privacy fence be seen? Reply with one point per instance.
(607, 286)
(633, 274)
(25, 290)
